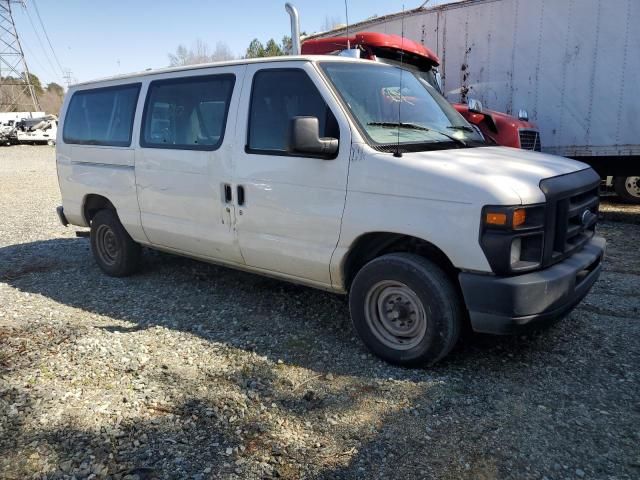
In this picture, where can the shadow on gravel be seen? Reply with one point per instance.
(166, 443)
(300, 325)
(497, 407)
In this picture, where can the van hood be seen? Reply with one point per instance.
(492, 175)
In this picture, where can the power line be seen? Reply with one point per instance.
(33, 56)
(35, 30)
(46, 35)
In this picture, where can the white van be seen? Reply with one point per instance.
(337, 173)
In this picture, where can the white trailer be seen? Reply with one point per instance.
(573, 64)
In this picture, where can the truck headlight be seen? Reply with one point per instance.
(512, 237)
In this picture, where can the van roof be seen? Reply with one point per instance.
(199, 66)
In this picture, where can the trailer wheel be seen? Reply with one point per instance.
(405, 309)
(113, 249)
(627, 188)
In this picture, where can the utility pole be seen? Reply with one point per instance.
(68, 78)
(17, 94)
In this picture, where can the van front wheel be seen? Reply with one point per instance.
(113, 249)
(405, 309)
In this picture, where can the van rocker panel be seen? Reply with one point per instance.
(504, 305)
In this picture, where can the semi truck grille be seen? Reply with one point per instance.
(572, 213)
(530, 140)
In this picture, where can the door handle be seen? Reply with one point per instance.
(228, 196)
(240, 196)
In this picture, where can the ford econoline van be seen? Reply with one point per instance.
(341, 174)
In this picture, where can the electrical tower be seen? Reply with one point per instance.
(17, 94)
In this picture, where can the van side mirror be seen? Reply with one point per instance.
(474, 105)
(305, 138)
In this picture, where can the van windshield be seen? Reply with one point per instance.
(415, 115)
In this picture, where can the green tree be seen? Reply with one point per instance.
(255, 50)
(286, 45)
(273, 49)
(37, 85)
(55, 89)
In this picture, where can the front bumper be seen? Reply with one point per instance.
(503, 305)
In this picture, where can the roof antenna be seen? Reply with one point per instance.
(346, 15)
(398, 153)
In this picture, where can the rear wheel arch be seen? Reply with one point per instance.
(92, 204)
(375, 244)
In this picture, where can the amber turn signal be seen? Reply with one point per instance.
(519, 217)
(496, 219)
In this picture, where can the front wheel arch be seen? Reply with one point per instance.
(375, 244)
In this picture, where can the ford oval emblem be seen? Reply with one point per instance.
(586, 216)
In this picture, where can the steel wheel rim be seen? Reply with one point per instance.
(107, 245)
(632, 185)
(395, 315)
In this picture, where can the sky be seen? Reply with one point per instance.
(99, 39)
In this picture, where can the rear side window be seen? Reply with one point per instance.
(187, 113)
(102, 116)
(277, 97)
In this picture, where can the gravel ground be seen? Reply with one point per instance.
(187, 370)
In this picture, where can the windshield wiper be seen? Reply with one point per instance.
(415, 126)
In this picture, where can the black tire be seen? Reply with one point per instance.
(113, 249)
(426, 284)
(628, 189)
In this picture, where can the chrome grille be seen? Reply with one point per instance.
(530, 140)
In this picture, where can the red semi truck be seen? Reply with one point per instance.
(499, 127)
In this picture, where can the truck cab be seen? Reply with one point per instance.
(499, 128)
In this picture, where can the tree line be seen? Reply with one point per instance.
(201, 52)
(49, 97)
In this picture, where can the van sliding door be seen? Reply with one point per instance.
(184, 163)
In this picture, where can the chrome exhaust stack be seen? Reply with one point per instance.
(295, 28)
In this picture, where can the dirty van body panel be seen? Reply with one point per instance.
(103, 170)
(181, 186)
(290, 220)
(100, 171)
(437, 196)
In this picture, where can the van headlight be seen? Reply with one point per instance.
(512, 237)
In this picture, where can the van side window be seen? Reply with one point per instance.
(101, 116)
(187, 113)
(277, 96)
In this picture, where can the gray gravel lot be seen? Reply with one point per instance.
(188, 370)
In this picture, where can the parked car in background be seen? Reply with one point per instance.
(37, 130)
(29, 130)
(8, 132)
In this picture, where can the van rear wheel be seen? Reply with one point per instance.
(405, 309)
(113, 249)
